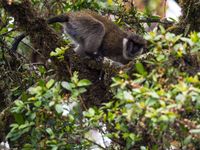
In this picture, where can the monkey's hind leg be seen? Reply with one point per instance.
(94, 40)
(80, 50)
(92, 32)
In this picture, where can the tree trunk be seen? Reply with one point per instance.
(190, 19)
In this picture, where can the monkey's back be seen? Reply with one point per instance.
(112, 45)
(113, 39)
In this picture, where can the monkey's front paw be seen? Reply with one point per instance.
(99, 59)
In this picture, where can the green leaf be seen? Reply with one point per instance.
(42, 70)
(27, 147)
(59, 108)
(160, 57)
(153, 94)
(55, 147)
(195, 131)
(164, 118)
(195, 49)
(74, 78)
(162, 29)
(66, 85)
(35, 90)
(140, 69)
(128, 96)
(51, 103)
(194, 37)
(59, 52)
(38, 103)
(84, 82)
(151, 101)
(53, 54)
(49, 131)
(81, 90)
(19, 103)
(32, 116)
(187, 140)
(19, 118)
(89, 113)
(189, 41)
(75, 93)
(143, 148)
(50, 83)
(18, 1)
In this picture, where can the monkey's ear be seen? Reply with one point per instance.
(137, 39)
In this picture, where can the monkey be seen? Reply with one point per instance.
(16, 42)
(96, 36)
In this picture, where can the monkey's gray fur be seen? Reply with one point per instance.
(97, 36)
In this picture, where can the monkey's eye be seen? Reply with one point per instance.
(133, 49)
(136, 48)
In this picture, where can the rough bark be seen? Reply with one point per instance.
(45, 39)
(190, 19)
(35, 26)
(5, 120)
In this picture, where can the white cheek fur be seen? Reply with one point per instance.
(76, 48)
(125, 40)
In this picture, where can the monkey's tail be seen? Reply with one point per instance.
(16, 42)
(60, 18)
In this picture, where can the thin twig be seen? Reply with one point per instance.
(35, 50)
(82, 102)
(153, 20)
(4, 34)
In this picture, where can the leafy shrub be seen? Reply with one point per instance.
(156, 106)
(39, 117)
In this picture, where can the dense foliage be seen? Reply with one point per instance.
(155, 104)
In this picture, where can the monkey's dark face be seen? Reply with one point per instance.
(133, 49)
(133, 46)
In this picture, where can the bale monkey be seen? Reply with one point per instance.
(95, 36)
